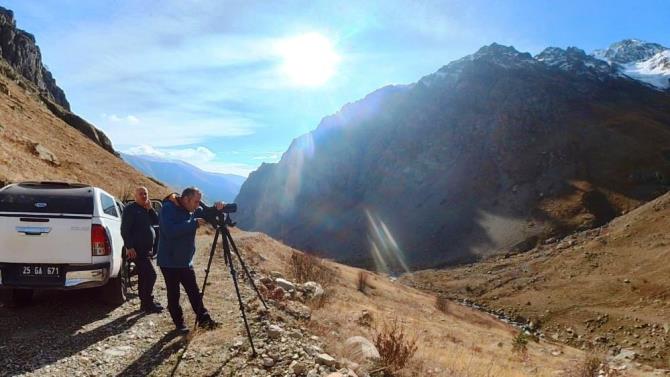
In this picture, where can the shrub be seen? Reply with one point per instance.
(362, 281)
(520, 344)
(442, 304)
(306, 267)
(590, 367)
(395, 348)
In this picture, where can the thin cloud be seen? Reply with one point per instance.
(113, 118)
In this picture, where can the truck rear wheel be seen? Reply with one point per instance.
(21, 297)
(115, 292)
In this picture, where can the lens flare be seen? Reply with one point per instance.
(385, 252)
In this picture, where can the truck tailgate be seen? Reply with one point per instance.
(57, 239)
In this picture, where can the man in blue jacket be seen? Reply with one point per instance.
(180, 217)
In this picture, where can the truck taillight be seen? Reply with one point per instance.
(99, 241)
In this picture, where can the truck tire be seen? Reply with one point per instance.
(115, 292)
(21, 297)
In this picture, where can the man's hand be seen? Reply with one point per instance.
(201, 222)
(131, 253)
(219, 205)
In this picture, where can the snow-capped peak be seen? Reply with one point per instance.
(640, 60)
(629, 51)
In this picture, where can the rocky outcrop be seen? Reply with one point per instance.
(489, 151)
(82, 125)
(19, 49)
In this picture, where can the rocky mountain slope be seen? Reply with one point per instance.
(40, 139)
(179, 175)
(21, 64)
(494, 151)
(606, 288)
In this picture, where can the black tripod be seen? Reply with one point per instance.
(227, 240)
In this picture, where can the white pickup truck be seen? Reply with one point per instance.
(56, 235)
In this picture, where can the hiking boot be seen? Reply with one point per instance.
(151, 308)
(208, 324)
(181, 329)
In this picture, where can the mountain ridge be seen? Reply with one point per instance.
(179, 174)
(476, 120)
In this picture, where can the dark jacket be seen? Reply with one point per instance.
(176, 242)
(137, 227)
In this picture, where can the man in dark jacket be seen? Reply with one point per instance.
(138, 237)
(180, 217)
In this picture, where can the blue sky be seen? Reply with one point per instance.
(207, 81)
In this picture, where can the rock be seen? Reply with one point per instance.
(313, 350)
(268, 362)
(274, 331)
(285, 284)
(361, 348)
(45, 154)
(298, 310)
(276, 275)
(625, 354)
(118, 351)
(298, 367)
(314, 289)
(325, 359)
(336, 374)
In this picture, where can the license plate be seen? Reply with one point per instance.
(41, 271)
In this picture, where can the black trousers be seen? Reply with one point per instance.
(186, 277)
(146, 276)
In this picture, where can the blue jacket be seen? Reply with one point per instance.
(176, 242)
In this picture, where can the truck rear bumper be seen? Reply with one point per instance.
(71, 277)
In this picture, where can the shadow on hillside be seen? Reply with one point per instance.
(50, 329)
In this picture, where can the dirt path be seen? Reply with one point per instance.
(72, 334)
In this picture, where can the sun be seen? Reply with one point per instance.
(308, 59)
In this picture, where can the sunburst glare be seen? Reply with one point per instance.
(308, 59)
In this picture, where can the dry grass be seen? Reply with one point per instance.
(305, 267)
(395, 347)
(573, 286)
(463, 342)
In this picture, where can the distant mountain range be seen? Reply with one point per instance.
(179, 175)
(498, 150)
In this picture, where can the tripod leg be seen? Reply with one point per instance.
(229, 237)
(233, 274)
(209, 265)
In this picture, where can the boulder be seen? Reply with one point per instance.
(285, 284)
(45, 154)
(313, 289)
(360, 348)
